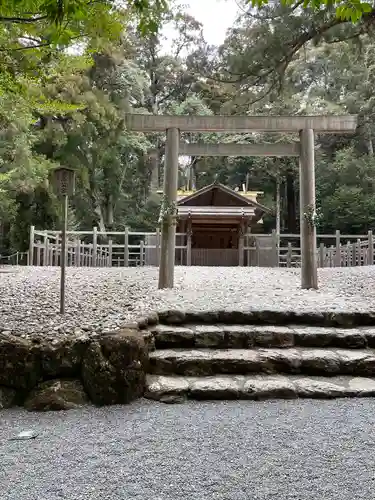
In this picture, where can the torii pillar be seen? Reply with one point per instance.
(168, 230)
(309, 271)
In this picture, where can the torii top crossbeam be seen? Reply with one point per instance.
(160, 123)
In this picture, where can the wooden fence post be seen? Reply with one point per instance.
(241, 244)
(46, 249)
(157, 247)
(126, 247)
(247, 247)
(338, 249)
(110, 253)
(332, 256)
(38, 255)
(275, 248)
(370, 254)
(52, 251)
(348, 254)
(77, 256)
(189, 234)
(141, 252)
(321, 254)
(50, 254)
(359, 252)
(31, 245)
(354, 253)
(56, 260)
(95, 247)
(289, 255)
(257, 252)
(90, 247)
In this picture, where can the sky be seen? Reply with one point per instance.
(215, 15)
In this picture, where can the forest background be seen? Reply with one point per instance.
(71, 71)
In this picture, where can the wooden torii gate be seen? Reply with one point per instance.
(305, 126)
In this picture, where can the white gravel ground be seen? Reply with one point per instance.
(102, 299)
(273, 450)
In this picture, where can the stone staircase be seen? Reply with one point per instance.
(259, 361)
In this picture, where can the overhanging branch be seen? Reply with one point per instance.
(23, 20)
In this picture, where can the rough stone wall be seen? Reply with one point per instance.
(71, 371)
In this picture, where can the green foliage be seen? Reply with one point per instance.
(64, 20)
(57, 108)
(346, 190)
(329, 77)
(60, 107)
(351, 10)
(33, 33)
(32, 208)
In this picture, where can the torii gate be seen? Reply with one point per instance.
(304, 125)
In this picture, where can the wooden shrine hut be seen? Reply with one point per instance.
(215, 220)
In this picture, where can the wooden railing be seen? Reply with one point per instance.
(123, 249)
(87, 249)
(333, 250)
(15, 259)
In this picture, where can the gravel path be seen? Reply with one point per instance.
(103, 299)
(293, 450)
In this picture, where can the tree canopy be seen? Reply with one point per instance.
(64, 106)
(344, 9)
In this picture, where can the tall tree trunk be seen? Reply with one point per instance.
(192, 175)
(110, 211)
(368, 135)
(291, 202)
(101, 221)
(98, 211)
(247, 181)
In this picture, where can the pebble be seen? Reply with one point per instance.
(102, 299)
(272, 450)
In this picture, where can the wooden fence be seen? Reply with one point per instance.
(123, 249)
(97, 249)
(333, 250)
(15, 259)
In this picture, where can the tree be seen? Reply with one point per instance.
(93, 137)
(272, 36)
(328, 78)
(64, 21)
(345, 10)
(73, 114)
(346, 193)
(173, 85)
(34, 32)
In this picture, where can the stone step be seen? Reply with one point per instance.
(205, 362)
(249, 336)
(256, 387)
(265, 317)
